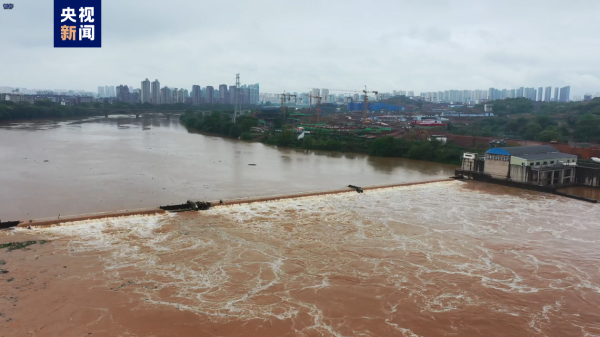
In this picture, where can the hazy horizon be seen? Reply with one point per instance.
(294, 46)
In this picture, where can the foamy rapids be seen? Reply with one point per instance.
(432, 259)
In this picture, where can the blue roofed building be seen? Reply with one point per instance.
(540, 165)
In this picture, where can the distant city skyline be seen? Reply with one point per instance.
(105, 93)
(226, 94)
(421, 46)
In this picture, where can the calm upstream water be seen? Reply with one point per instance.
(79, 166)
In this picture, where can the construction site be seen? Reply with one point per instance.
(369, 118)
(365, 115)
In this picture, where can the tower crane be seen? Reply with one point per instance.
(285, 96)
(318, 98)
(289, 97)
(366, 102)
(366, 98)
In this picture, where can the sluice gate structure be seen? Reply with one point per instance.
(540, 168)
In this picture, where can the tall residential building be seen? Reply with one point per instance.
(123, 94)
(565, 94)
(196, 95)
(155, 92)
(107, 91)
(101, 92)
(186, 93)
(165, 95)
(245, 96)
(316, 92)
(174, 93)
(540, 94)
(210, 94)
(556, 94)
(324, 95)
(253, 93)
(145, 91)
(547, 94)
(130, 89)
(232, 91)
(135, 97)
(223, 93)
(529, 93)
(181, 96)
(520, 92)
(491, 94)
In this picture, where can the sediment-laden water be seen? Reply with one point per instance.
(440, 259)
(67, 167)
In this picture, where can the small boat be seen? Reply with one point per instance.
(9, 224)
(596, 160)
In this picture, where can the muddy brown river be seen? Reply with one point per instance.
(68, 167)
(448, 258)
(440, 259)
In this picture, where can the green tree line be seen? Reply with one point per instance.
(220, 123)
(48, 109)
(558, 121)
(382, 147)
(287, 137)
(41, 109)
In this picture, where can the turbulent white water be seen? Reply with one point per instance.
(419, 260)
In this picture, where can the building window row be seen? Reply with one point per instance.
(497, 157)
(545, 163)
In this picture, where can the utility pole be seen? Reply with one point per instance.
(238, 105)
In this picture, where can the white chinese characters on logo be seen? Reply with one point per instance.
(86, 32)
(68, 14)
(86, 14)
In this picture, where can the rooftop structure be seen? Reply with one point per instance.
(530, 155)
(539, 164)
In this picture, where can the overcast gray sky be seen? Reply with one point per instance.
(420, 45)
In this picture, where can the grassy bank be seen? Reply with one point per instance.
(382, 147)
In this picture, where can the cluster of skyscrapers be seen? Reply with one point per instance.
(153, 93)
(403, 93)
(468, 96)
(448, 96)
(311, 97)
(57, 92)
(541, 94)
(106, 91)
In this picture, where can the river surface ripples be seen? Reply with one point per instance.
(440, 259)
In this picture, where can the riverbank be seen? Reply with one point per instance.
(432, 151)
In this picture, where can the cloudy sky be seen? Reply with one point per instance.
(420, 45)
